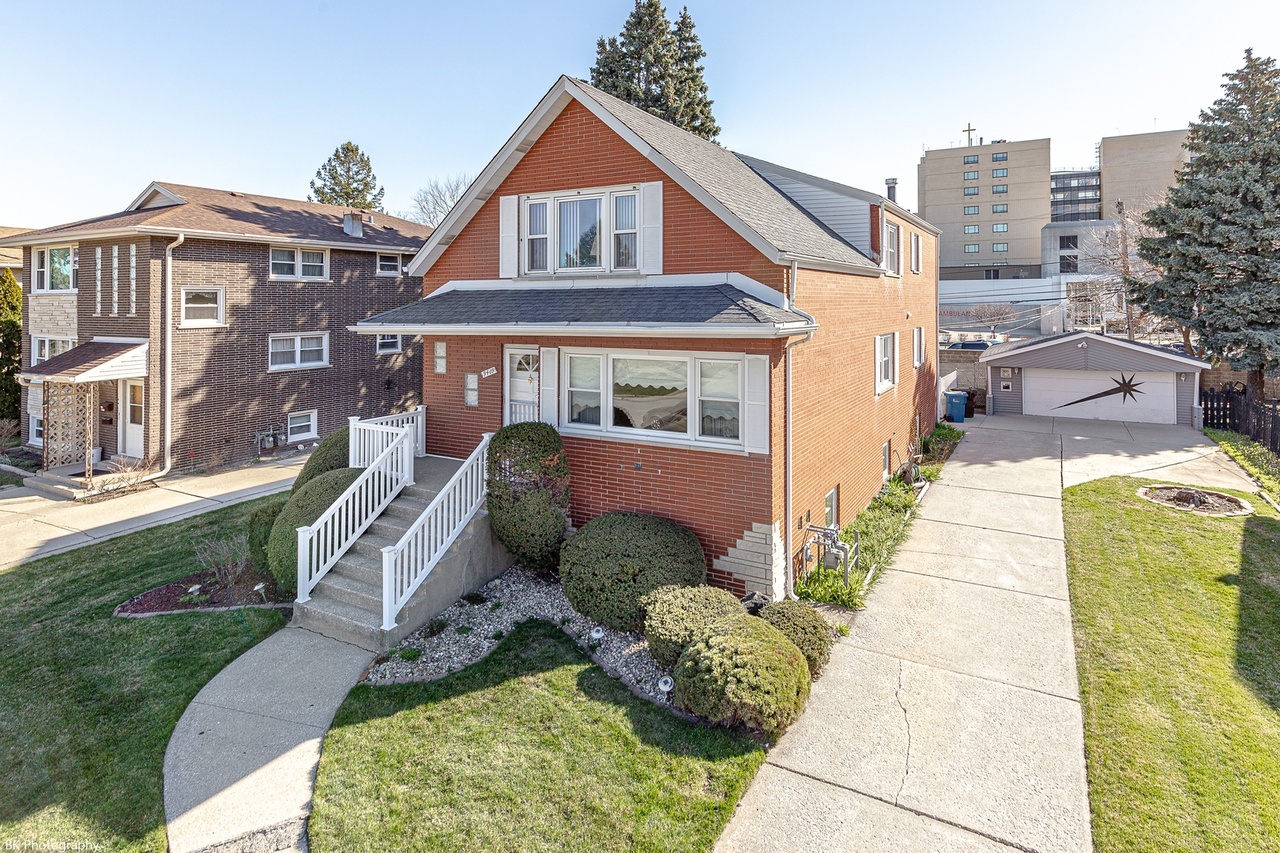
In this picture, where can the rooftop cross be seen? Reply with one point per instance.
(969, 132)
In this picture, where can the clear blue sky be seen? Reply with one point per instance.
(104, 97)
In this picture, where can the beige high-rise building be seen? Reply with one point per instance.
(990, 202)
(1139, 169)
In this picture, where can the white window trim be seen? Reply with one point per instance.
(607, 210)
(880, 384)
(297, 263)
(378, 344)
(315, 421)
(36, 289)
(691, 437)
(886, 461)
(35, 347)
(221, 321)
(297, 352)
(31, 429)
(378, 265)
(892, 238)
(917, 253)
(833, 497)
(917, 346)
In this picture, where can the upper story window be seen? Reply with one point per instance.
(299, 264)
(1000, 156)
(971, 210)
(292, 352)
(203, 306)
(1000, 227)
(892, 249)
(1000, 188)
(916, 252)
(589, 231)
(970, 159)
(999, 173)
(999, 247)
(388, 265)
(43, 349)
(999, 208)
(55, 269)
(971, 176)
(972, 229)
(970, 190)
(886, 347)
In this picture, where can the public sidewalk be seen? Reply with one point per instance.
(34, 526)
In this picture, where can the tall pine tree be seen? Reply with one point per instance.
(347, 179)
(1217, 245)
(657, 67)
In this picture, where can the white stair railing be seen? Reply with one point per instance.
(366, 442)
(406, 564)
(321, 544)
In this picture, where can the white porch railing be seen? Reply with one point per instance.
(406, 564)
(386, 473)
(522, 411)
(366, 442)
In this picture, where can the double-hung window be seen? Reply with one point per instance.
(917, 345)
(589, 231)
(671, 396)
(388, 264)
(388, 344)
(886, 361)
(43, 349)
(302, 425)
(299, 264)
(203, 306)
(293, 352)
(916, 252)
(55, 269)
(892, 249)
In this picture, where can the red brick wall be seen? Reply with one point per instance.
(577, 151)
(717, 494)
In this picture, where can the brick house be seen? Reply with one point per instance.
(738, 346)
(242, 300)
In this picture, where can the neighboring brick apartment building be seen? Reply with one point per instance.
(738, 346)
(259, 293)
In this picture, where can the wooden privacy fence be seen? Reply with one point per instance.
(1237, 411)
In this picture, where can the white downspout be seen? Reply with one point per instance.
(789, 585)
(168, 357)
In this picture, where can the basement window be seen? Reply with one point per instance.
(302, 425)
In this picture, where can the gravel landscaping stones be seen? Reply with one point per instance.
(467, 631)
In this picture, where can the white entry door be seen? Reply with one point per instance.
(521, 385)
(132, 416)
(1114, 395)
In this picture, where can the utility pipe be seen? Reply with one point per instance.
(789, 585)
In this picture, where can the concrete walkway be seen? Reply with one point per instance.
(34, 526)
(241, 763)
(949, 718)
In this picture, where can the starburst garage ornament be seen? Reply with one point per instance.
(1127, 388)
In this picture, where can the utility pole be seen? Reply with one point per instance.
(1124, 266)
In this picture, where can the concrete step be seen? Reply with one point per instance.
(392, 527)
(406, 507)
(361, 567)
(341, 621)
(422, 491)
(371, 544)
(50, 489)
(355, 590)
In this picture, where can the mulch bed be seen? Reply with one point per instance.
(1196, 500)
(211, 596)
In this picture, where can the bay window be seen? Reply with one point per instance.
(595, 231)
(55, 269)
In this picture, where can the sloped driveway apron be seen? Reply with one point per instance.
(949, 718)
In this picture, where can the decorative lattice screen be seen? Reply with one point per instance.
(70, 417)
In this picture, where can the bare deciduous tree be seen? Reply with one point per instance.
(432, 202)
(991, 314)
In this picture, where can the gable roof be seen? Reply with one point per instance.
(716, 177)
(165, 208)
(1009, 348)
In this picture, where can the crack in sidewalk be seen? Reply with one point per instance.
(906, 762)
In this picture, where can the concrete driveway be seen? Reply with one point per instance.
(949, 718)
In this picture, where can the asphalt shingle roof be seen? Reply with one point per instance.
(716, 304)
(245, 214)
(733, 183)
(76, 361)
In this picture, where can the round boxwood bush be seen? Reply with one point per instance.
(528, 493)
(615, 560)
(743, 671)
(303, 507)
(261, 521)
(329, 456)
(675, 615)
(806, 627)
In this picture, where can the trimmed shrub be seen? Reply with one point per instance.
(528, 493)
(304, 507)
(675, 615)
(743, 671)
(331, 455)
(806, 627)
(615, 560)
(261, 520)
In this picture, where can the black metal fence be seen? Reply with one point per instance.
(1238, 411)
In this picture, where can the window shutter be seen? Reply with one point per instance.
(508, 236)
(757, 404)
(896, 359)
(548, 380)
(651, 228)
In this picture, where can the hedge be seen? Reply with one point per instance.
(806, 627)
(331, 455)
(303, 508)
(261, 520)
(528, 493)
(675, 615)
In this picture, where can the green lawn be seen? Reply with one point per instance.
(532, 748)
(1177, 626)
(87, 701)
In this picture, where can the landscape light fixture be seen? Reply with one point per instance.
(597, 633)
(666, 684)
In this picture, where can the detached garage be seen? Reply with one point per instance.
(1086, 375)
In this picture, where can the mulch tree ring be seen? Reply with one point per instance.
(177, 597)
(1199, 501)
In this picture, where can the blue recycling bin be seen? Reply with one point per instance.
(955, 406)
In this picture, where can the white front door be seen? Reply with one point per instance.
(132, 416)
(521, 385)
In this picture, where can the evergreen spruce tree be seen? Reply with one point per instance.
(10, 296)
(347, 179)
(10, 345)
(1217, 241)
(656, 66)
